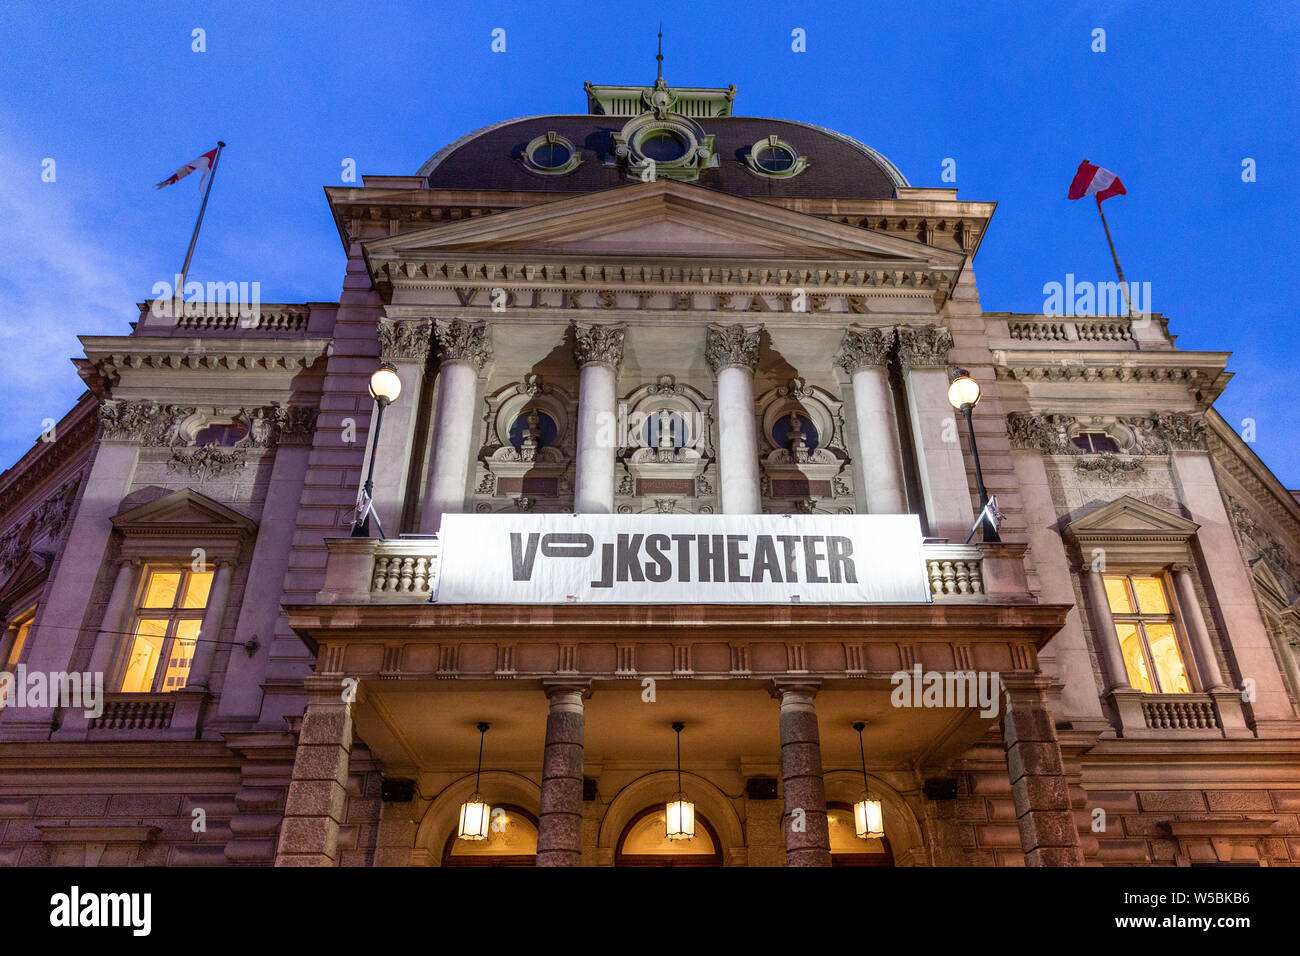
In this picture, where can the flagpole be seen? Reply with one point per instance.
(189, 253)
(1123, 286)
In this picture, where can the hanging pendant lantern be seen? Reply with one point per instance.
(475, 814)
(868, 816)
(680, 817)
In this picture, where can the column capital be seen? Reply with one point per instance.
(924, 346)
(559, 687)
(795, 690)
(459, 340)
(862, 347)
(728, 346)
(1180, 567)
(405, 341)
(598, 343)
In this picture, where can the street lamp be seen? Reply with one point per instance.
(964, 395)
(385, 386)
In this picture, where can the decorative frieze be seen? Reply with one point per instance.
(924, 347)
(598, 344)
(862, 347)
(1119, 373)
(732, 345)
(461, 341)
(1048, 434)
(148, 423)
(207, 462)
(47, 521)
(404, 341)
(1180, 430)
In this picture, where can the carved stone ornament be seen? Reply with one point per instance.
(295, 424)
(207, 461)
(732, 345)
(1108, 468)
(149, 423)
(598, 344)
(47, 521)
(1048, 434)
(1178, 430)
(404, 341)
(925, 347)
(863, 347)
(461, 341)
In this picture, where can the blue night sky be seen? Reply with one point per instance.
(1012, 91)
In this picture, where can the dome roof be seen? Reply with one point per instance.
(493, 158)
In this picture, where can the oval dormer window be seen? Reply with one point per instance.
(551, 154)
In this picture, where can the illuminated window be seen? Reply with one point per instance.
(23, 625)
(511, 841)
(165, 629)
(846, 848)
(644, 842)
(1148, 639)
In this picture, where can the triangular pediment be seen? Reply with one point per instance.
(183, 512)
(1130, 518)
(1269, 583)
(26, 576)
(662, 218)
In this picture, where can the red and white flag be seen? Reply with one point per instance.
(204, 162)
(1092, 180)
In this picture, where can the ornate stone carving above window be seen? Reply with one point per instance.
(802, 442)
(180, 427)
(529, 441)
(1155, 434)
(45, 524)
(661, 144)
(666, 440)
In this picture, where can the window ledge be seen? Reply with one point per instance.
(161, 716)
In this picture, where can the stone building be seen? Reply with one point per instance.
(659, 312)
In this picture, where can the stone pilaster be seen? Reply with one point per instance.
(210, 632)
(559, 824)
(923, 353)
(732, 354)
(314, 810)
(807, 834)
(597, 351)
(1039, 787)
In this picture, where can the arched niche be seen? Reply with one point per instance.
(440, 819)
(657, 788)
(901, 826)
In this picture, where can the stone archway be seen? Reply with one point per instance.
(657, 788)
(901, 826)
(443, 813)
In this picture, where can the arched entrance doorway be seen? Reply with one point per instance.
(511, 841)
(644, 842)
(846, 848)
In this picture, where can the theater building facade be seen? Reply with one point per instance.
(708, 355)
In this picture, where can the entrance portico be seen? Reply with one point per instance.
(581, 699)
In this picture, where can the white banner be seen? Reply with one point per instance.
(681, 559)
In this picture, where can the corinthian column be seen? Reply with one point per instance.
(923, 353)
(463, 348)
(406, 345)
(732, 354)
(863, 354)
(597, 350)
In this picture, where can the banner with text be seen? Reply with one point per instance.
(681, 559)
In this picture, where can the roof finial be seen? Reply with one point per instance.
(660, 56)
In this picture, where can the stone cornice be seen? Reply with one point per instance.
(924, 346)
(598, 344)
(861, 347)
(728, 346)
(1202, 372)
(462, 341)
(405, 341)
(110, 355)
